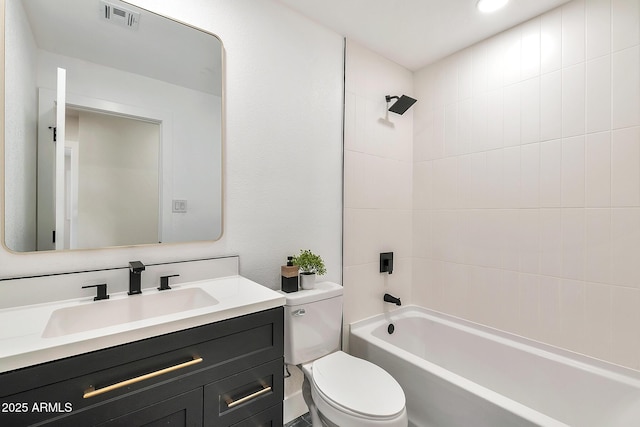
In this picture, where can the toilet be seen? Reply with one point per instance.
(339, 389)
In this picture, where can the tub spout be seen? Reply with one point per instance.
(392, 299)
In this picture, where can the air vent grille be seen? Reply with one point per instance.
(119, 15)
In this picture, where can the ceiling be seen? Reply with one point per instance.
(155, 49)
(415, 33)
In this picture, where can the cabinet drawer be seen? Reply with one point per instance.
(272, 417)
(231, 400)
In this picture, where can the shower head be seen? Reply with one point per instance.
(402, 104)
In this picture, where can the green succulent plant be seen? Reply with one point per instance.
(309, 262)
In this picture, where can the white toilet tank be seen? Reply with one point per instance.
(312, 323)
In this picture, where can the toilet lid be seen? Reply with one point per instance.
(358, 385)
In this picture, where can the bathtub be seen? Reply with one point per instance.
(458, 373)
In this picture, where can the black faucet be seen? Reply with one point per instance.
(392, 299)
(135, 274)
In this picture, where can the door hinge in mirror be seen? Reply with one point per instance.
(55, 132)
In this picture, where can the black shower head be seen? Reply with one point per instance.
(402, 104)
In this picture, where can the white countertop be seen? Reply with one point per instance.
(21, 328)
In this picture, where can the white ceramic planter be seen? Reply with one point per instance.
(307, 281)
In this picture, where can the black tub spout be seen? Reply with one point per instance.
(392, 299)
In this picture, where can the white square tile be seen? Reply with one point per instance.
(495, 179)
(573, 175)
(625, 75)
(511, 127)
(466, 183)
(436, 145)
(530, 110)
(451, 147)
(530, 176)
(479, 61)
(573, 33)
(598, 28)
(423, 185)
(465, 126)
(465, 74)
(511, 171)
(551, 41)
(422, 234)
(551, 106)
(511, 239)
(625, 24)
(455, 293)
(480, 124)
(495, 117)
(446, 236)
(573, 100)
(360, 243)
(445, 178)
(529, 305)
(550, 324)
(625, 246)
(625, 347)
(625, 167)
(422, 139)
(394, 231)
(572, 313)
(512, 55)
(530, 49)
(551, 173)
(598, 316)
(551, 242)
(479, 185)
(529, 241)
(598, 97)
(598, 170)
(495, 62)
(598, 254)
(573, 243)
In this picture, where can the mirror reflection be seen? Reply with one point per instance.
(113, 127)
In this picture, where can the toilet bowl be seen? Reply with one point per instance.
(339, 389)
(352, 392)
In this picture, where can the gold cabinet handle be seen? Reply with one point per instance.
(231, 403)
(91, 392)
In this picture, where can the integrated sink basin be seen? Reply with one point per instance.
(101, 314)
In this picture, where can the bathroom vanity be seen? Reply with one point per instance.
(225, 368)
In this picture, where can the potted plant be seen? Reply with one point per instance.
(310, 264)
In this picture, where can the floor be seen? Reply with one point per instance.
(302, 421)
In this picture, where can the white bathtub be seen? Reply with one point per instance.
(458, 373)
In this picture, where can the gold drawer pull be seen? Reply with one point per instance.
(231, 403)
(91, 392)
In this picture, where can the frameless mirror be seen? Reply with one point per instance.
(113, 127)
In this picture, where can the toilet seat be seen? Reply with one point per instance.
(357, 387)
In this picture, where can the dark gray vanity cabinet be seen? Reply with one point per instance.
(228, 373)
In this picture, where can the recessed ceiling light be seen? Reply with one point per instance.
(488, 6)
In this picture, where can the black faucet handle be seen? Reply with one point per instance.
(164, 282)
(102, 291)
(136, 267)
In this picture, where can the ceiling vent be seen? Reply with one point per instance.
(119, 15)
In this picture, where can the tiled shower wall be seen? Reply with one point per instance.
(526, 181)
(377, 184)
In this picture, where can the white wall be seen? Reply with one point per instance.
(377, 184)
(282, 155)
(20, 160)
(527, 181)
